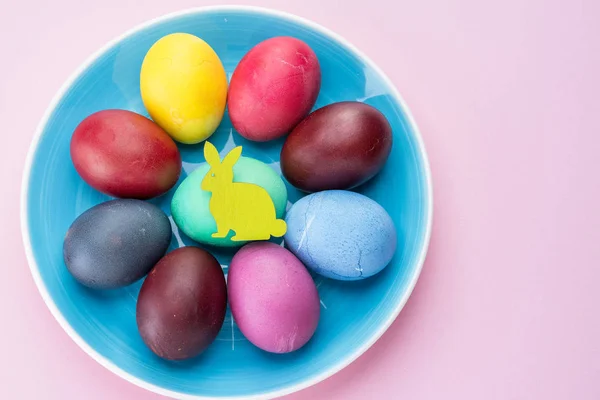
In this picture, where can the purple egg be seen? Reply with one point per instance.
(273, 298)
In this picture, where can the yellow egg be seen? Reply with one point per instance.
(184, 87)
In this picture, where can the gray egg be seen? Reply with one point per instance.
(116, 243)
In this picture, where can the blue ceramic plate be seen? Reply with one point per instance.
(354, 314)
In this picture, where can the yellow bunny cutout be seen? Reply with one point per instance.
(245, 208)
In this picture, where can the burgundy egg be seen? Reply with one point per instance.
(339, 146)
(181, 306)
(124, 154)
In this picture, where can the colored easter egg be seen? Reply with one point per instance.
(245, 208)
(190, 206)
(273, 298)
(339, 146)
(124, 154)
(182, 303)
(341, 234)
(184, 87)
(273, 87)
(116, 243)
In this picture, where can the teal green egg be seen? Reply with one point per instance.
(190, 204)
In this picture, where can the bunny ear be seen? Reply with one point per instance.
(211, 155)
(231, 158)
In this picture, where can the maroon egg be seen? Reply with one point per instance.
(182, 304)
(339, 146)
(124, 154)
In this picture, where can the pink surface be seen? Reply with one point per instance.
(506, 95)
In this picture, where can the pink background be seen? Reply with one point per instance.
(506, 95)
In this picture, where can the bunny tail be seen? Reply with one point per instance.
(278, 228)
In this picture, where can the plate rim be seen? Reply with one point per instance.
(302, 384)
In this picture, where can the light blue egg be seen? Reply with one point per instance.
(341, 235)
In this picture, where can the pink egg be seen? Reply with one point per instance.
(273, 298)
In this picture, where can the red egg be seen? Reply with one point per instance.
(339, 146)
(181, 306)
(124, 154)
(273, 87)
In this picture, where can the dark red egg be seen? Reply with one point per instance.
(124, 154)
(182, 303)
(339, 146)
